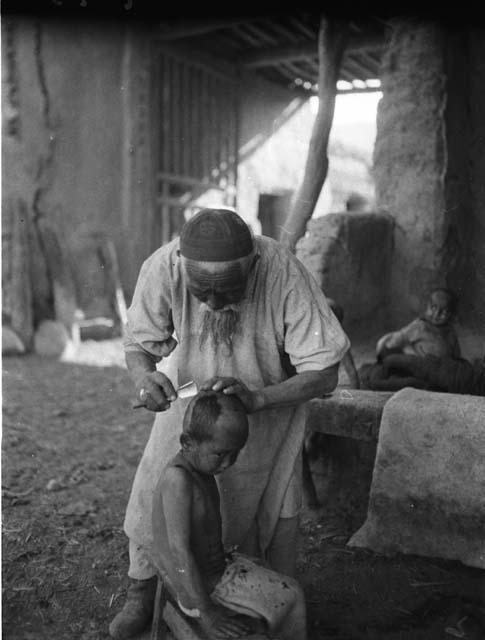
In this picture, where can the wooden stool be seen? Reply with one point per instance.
(169, 623)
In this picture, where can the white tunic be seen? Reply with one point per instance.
(286, 326)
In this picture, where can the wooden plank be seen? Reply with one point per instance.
(204, 149)
(233, 157)
(267, 56)
(216, 118)
(159, 630)
(173, 109)
(187, 29)
(200, 59)
(351, 413)
(165, 214)
(186, 180)
(331, 46)
(165, 164)
(198, 123)
(354, 66)
(176, 127)
(186, 107)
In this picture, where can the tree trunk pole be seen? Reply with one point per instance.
(332, 39)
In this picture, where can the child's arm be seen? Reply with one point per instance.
(177, 492)
(396, 340)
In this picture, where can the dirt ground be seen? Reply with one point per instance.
(71, 443)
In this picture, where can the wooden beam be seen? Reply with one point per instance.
(187, 29)
(360, 70)
(332, 38)
(198, 57)
(268, 56)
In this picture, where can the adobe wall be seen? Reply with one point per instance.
(429, 164)
(475, 300)
(410, 161)
(62, 139)
(350, 256)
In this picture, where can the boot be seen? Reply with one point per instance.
(137, 611)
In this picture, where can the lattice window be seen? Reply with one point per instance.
(196, 158)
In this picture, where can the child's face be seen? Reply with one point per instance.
(216, 455)
(438, 311)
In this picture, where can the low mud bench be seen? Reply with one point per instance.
(350, 413)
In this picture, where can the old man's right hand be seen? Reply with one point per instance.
(156, 391)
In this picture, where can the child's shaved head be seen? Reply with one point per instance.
(205, 409)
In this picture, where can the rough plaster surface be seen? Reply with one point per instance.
(62, 143)
(410, 160)
(427, 495)
(349, 254)
(476, 104)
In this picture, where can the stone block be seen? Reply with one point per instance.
(349, 254)
(351, 413)
(428, 486)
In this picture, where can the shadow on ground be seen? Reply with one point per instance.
(71, 443)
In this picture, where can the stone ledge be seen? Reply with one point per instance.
(351, 413)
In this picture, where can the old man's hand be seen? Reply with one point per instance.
(156, 391)
(233, 386)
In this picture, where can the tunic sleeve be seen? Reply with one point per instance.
(313, 337)
(149, 327)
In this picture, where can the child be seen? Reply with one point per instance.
(431, 337)
(230, 595)
(431, 334)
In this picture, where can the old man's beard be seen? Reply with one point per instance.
(220, 326)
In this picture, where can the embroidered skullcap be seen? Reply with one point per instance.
(215, 235)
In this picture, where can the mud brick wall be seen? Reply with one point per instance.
(350, 254)
(410, 160)
(429, 163)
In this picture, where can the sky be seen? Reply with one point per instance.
(354, 119)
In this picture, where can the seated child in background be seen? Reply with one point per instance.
(230, 595)
(430, 340)
(431, 334)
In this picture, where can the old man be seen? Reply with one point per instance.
(234, 312)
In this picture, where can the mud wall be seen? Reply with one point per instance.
(429, 164)
(62, 142)
(410, 161)
(350, 256)
(474, 309)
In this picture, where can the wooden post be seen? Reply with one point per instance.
(331, 45)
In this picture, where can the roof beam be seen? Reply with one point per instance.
(194, 28)
(267, 56)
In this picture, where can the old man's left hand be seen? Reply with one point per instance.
(232, 386)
